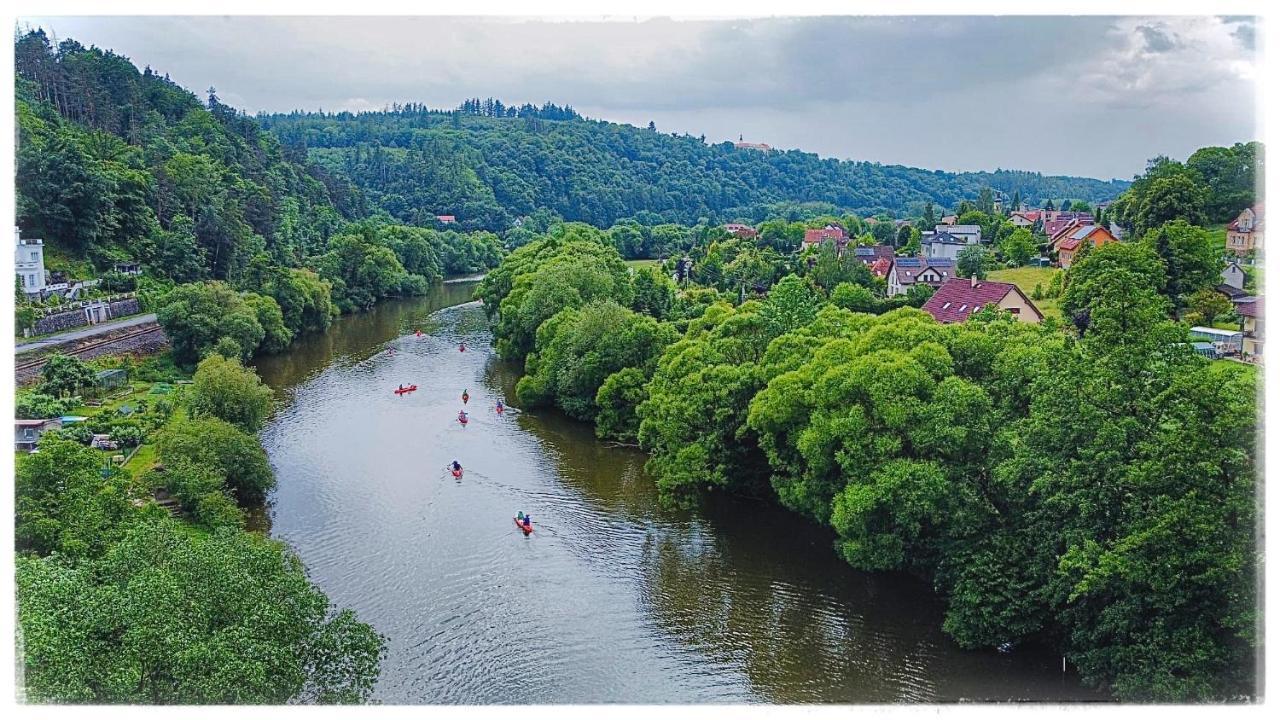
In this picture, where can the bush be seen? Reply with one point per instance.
(37, 406)
(220, 446)
(225, 389)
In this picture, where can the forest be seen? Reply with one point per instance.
(489, 164)
(238, 237)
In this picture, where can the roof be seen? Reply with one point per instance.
(906, 269)
(1230, 291)
(959, 298)
(870, 253)
(1257, 218)
(30, 423)
(880, 266)
(1247, 309)
(945, 238)
(445, 218)
(1069, 244)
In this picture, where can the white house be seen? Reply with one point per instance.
(971, 234)
(943, 245)
(28, 260)
(1233, 275)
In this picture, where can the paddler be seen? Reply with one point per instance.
(465, 397)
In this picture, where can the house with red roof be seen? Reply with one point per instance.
(830, 233)
(1021, 220)
(959, 298)
(746, 232)
(1245, 232)
(1069, 242)
(446, 219)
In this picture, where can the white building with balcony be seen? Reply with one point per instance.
(28, 260)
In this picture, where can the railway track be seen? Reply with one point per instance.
(39, 362)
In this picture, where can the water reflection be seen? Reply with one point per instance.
(614, 598)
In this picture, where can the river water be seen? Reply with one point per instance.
(614, 597)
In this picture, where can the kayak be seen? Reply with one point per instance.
(465, 398)
(457, 473)
(500, 409)
(462, 420)
(401, 391)
(523, 529)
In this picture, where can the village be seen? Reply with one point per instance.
(1024, 291)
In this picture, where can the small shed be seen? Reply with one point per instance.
(27, 433)
(109, 379)
(1206, 349)
(1228, 341)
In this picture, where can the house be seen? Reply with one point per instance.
(1021, 220)
(948, 220)
(759, 147)
(960, 298)
(880, 267)
(446, 219)
(127, 268)
(971, 234)
(1056, 222)
(870, 254)
(1245, 232)
(1069, 243)
(1232, 275)
(1251, 314)
(28, 260)
(943, 245)
(907, 271)
(745, 232)
(832, 233)
(1232, 292)
(27, 432)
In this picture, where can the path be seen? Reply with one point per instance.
(82, 333)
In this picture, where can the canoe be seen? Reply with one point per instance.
(523, 529)
(401, 391)
(456, 473)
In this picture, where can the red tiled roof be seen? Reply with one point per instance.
(830, 232)
(446, 218)
(880, 267)
(1068, 244)
(959, 298)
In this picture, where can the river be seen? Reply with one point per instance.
(614, 597)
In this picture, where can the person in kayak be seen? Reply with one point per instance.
(462, 347)
(528, 521)
(520, 516)
(465, 397)
(455, 466)
(501, 407)
(462, 416)
(401, 388)
(418, 332)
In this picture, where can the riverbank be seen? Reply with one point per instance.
(618, 597)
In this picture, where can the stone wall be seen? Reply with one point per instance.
(60, 321)
(120, 308)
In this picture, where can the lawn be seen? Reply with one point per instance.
(1026, 278)
(641, 263)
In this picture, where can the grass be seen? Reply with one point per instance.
(1026, 278)
(641, 263)
(142, 460)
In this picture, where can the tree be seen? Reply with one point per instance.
(38, 405)
(1176, 197)
(652, 292)
(166, 617)
(223, 388)
(1205, 305)
(224, 448)
(973, 261)
(986, 201)
(618, 398)
(64, 504)
(1018, 246)
(1191, 259)
(791, 304)
(65, 375)
(196, 316)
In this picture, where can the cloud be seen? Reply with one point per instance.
(1090, 95)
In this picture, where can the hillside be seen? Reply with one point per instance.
(115, 164)
(488, 165)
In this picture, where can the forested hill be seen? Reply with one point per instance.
(488, 164)
(119, 164)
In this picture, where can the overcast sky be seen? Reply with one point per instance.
(1091, 96)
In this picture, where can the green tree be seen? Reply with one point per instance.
(1191, 259)
(65, 375)
(973, 261)
(196, 316)
(64, 504)
(225, 449)
(225, 389)
(1018, 246)
(166, 617)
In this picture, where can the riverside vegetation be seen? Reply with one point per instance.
(1089, 486)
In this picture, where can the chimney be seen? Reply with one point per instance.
(973, 281)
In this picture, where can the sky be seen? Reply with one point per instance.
(1086, 95)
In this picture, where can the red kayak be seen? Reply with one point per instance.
(525, 530)
(401, 391)
(457, 474)
(462, 419)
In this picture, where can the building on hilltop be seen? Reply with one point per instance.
(959, 298)
(746, 232)
(759, 147)
(830, 233)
